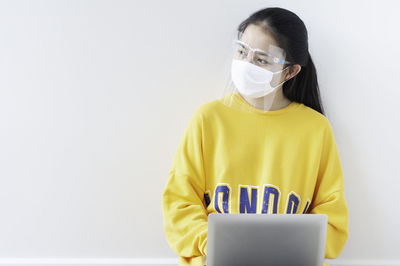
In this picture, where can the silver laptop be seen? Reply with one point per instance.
(266, 239)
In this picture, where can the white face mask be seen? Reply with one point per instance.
(252, 80)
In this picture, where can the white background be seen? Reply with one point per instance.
(95, 95)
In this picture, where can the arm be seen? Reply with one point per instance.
(329, 197)
(184, 213)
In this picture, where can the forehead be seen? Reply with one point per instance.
(258, 37)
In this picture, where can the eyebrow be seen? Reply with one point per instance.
(243, 44)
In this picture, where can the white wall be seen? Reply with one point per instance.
(95, 95)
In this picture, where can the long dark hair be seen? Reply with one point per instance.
(290, 33)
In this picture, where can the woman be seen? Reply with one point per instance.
(263, 147)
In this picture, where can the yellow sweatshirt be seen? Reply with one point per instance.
(234, 161)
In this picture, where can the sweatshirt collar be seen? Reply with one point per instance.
(238, 102)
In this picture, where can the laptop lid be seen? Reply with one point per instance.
(266, 239)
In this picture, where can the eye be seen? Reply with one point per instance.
(262, 61)
(242, 52)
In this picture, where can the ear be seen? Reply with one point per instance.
(293, 71)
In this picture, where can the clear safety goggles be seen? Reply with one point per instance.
(272, 59)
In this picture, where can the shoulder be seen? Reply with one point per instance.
(207, 109)
(202, 114)
(313, 115)
(313, 122)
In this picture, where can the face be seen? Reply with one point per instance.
(257, 38)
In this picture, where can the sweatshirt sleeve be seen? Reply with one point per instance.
(184, 213)
(329, 197)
